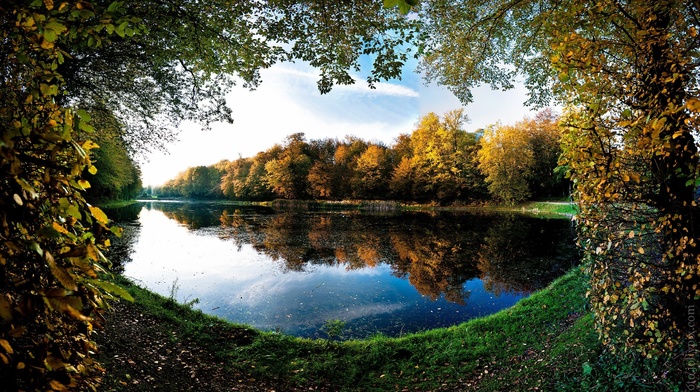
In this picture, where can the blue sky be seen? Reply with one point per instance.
(288, 102)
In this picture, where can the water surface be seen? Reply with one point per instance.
(389, 273)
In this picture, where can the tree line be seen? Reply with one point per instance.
(437, 162)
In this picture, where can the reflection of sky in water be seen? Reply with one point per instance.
(243, 286)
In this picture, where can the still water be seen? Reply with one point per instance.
(388, 273)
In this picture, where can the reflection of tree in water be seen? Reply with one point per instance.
(193, 215)
(119, 253)
(524, 255)
(436, 258)
(436, 252)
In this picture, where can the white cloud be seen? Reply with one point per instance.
(288, 102)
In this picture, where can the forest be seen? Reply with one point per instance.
(438, 162)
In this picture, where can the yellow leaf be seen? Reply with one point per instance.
(48, 4)
(56, 385)
(92, 252)
(60, 274)
(5, 308)
(6, 346)
(640, 250)
(46, 44)
(631, 234)
(59, 228)
(693, 105)
(92, 170)
(89, 145)
(99, 214)
(84, 183)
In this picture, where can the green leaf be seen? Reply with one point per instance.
(120, 29)
(85, 127)
(390, 3)
(114, 6)
(116, 230)
(56, 27)
(587, 369)
(83, 115)
(50, 35)
(36, 248)
(113, 289)
(73, 211)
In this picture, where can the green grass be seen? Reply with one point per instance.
(543, 341)
(116, 203)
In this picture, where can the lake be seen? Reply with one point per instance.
(293, 270)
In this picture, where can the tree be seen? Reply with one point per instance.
(371, 178)
(519, 160)
(442, 158)
(628, 73)
(287, 174)
(52, 240)
(145, 64)
(506, 160)
(117, 177)
(345, 164)
(320, 176)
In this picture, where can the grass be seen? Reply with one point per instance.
(117, 203)
(543, 341)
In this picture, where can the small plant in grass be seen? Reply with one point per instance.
(334, 328)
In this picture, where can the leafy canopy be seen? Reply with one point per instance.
(627, 73)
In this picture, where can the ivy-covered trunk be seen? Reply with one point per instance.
(662, 93)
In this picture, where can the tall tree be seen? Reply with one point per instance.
(520, 160)
(148, 64)
(628, 71)
(442, 160)
(371, 178)
(506, 160)
(287, 174)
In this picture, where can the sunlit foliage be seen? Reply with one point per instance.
(75, 74)
(627, 72)
(519, 160)
(51, 239)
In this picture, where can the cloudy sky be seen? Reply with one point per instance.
(288, 102)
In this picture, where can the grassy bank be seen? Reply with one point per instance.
(545, 341)
(539, 208)
(116, 203)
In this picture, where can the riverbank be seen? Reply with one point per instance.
(544, 342)
(556, 209)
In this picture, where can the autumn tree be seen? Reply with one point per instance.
(52, 246)
(148, 64)
(506, 160)
(442, 164)
(233, 179)
(345, 164)
(519, 160)
(320, 177)
(627, 71)
(287, 175)
(371, 177)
